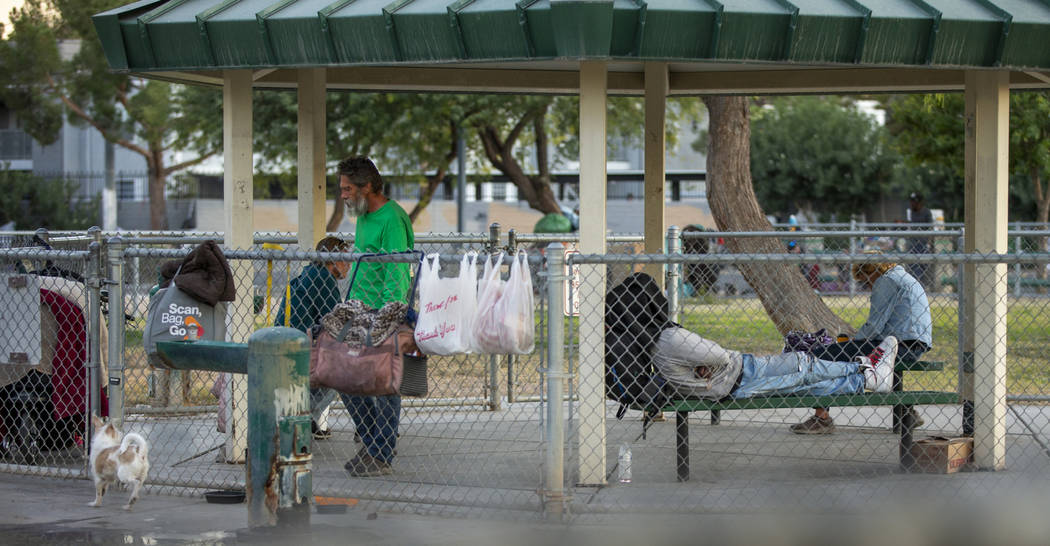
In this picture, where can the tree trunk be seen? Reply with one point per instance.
(158, 206)
(427, 194)
(1042, 197)
(786, 295)
(535, 190)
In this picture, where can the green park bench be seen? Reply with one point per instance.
(901, 400)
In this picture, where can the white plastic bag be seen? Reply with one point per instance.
(447, 307)
(505, 323)
(518, 331)
(488, 320)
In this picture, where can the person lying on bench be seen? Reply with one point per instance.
(700, 368)
(898, 308)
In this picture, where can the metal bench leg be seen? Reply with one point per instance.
(681, 427)
(907, 426)
(716, 417)
(898, 410)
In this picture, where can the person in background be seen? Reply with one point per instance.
(313, 295)
(382, 227)
(920, 218)
(898, 308)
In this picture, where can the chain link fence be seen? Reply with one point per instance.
(485, 438)
(715, 407)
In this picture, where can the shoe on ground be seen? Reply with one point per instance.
(318, 433)
(814, 425)
(365, 465)
(878, 366)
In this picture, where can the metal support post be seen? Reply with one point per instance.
(493, 382)
(1017, 266)
(554, 486)
(512, 247)
(852, 250)
(279, 436)
(94, 314)
(277, 360)
(115, 339)
(674, 276)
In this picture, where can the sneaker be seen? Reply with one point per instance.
(365, 465)
(814, 425)
(878, 366)
(318, 433)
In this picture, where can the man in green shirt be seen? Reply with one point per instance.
(382, 227)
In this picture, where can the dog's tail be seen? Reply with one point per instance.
(141, 447)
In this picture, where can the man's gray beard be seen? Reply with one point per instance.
(358, 207)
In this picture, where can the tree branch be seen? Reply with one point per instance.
(91, 121)
(190, 163)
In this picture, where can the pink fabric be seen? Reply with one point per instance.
(69, 375)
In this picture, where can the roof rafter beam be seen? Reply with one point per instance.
(460, 80)
(566, 82)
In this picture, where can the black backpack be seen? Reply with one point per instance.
(635, 315)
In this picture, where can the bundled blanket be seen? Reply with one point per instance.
(203, 274)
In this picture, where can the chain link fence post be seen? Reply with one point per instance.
(852, 250)
(512, 247)
(554, 487)
(493, 382)
(1018, 241)
(94, 284)
(674, 276)
(115, 341)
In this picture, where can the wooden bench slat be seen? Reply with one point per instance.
(905, 398)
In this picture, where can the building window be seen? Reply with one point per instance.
(125, 190)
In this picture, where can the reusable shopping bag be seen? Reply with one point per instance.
(169, 316)
(447, 306)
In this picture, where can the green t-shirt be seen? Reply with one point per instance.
(388, 229)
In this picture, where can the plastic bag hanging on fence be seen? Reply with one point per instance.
(505, 323)
(488, 321)
(518, 331)
(447, 307)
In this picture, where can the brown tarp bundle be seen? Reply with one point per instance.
(203, 274)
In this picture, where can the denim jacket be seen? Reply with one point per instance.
(898, 308)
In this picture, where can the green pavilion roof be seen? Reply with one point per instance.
(181, 35)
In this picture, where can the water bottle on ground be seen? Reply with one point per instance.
(624, 465)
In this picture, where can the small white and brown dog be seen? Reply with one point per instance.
(117, 457)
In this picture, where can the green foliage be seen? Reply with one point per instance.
(817, 154)
(32, 202)
(53, 63)
(929, 131)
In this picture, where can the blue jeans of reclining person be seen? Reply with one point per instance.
(376, 419)
(796, 374)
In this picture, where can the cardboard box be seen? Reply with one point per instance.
(941, 455)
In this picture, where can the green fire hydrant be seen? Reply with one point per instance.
(277, 361)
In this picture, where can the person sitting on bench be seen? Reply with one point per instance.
(898, 308)
(700, 368)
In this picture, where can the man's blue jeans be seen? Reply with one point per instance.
(796, 374)
(376, 419)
